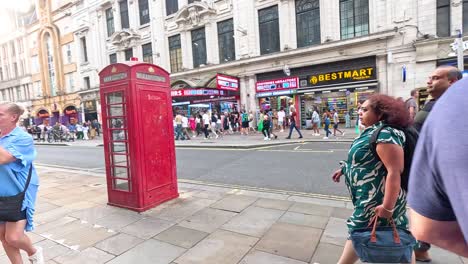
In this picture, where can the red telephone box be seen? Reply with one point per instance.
(138, 135)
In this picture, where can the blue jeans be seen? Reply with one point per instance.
(178, 131)
(291, 127)
(327, 129)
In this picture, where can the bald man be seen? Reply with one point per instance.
(439, 81)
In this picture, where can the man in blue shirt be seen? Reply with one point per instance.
(438, 183)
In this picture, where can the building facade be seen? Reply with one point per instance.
(317, 53)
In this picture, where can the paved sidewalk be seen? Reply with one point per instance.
(253, 140)
(205, 225)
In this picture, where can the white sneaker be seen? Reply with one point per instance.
(217, 136)
(281, 130)
(343, 134)
(265, 138)
(38, 257)
(325, 137)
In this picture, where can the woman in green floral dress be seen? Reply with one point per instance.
(374, 182)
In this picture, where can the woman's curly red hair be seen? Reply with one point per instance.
(390, 110)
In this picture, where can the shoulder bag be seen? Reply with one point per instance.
(383, 244)
(10, 206)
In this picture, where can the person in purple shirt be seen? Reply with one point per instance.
(438, 185)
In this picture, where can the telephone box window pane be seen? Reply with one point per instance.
(115, 98)
(117, 123)
(119, 147)
(116, 110)
(119, 134)
(120, 172)
(122, 185)
(119, 160)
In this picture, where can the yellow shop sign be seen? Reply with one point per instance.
(343, 76)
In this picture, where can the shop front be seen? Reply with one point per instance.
(220, 93)
(70, 115)
(41, 116)
(336, 85)
(276, 94)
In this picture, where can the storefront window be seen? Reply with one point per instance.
(307, 22)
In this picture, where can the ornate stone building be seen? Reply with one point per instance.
(52, 50)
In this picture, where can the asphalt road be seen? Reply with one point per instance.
(299, 167)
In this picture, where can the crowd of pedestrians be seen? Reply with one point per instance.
(72, 131)
(213, 124)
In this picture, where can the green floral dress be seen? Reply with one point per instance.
(365, 178)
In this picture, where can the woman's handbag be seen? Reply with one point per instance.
(10, 206)
(383, 244)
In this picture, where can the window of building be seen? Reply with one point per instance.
(20, 46)
(12, 46)
(70, 82)
(87, 83)
(110, 21)
(37, 89)
(193, 1)
(22, 67)
(443, 18)
(144, 12)
(84, 49)
(18, 93)
(4, 96)
(147, 52)
(465, 16)
(35, 64)
(269, 30)
(172, 6)
(307, 22)
(198, 47)
(124, 21)
(67, 50)
(175, 53)
(227, 49)
(113, 58)
(128, 54)
(354, 18)
(15, 69)
(50, 65)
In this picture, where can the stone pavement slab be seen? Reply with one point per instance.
(253, 221)
(259, 257)
(336, 232)
(273, 204)
(181, 236)
(311, 209)
(291, 241)
(150, 252)
(182, 209)
(87, 256)
(207, 220)
(234, 203)
(304, 219)
(220, 247)
(147, 227)
(118, 244)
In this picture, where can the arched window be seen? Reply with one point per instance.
(50, 65)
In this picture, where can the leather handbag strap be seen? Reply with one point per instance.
(373, 239)
(28, 180)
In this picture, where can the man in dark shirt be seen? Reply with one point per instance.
(292, 124)
(439, 81)
(438, 182)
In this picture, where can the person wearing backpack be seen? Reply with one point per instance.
(374, 180)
